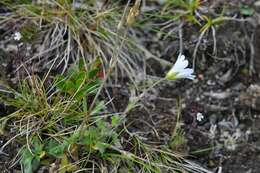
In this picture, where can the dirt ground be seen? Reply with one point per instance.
(227, 94)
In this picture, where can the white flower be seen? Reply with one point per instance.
(199, 116)
(17, 36)
(180, 70)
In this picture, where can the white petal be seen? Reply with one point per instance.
(184, 61)
(186, 73)
(17, 36)
(191, 77)
(180, 64)
(187, 76)
(180, 70)
(181, 57)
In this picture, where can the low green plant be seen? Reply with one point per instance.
(91, 142)
(58, 129)
(55, 111)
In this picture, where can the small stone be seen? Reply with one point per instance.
(257, 4)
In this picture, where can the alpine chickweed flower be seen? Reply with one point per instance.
(17, 36)
(199, 117)
(180, 70)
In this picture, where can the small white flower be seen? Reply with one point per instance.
(17, 36)
(180, 70)
(199, 116)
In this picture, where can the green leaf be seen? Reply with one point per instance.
(73, 138)
(69, 86)
(246, 10)
(217, 21)
(98, 108)
(54, 148)
(85, 104)
(81, 79)
(37, 146)
(101, 125)
(29, 162)
(90, 136)
(101, 147)
(115, 120)
(91, 87)
(60, 82)
(192, 18)
(93, 73)
(81, 64)
(87, 89)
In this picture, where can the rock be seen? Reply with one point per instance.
(251, 97)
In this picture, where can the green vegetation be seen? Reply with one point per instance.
(60, 126)
(62, 119)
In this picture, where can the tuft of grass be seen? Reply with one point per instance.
(59, 129)
(68, 30)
